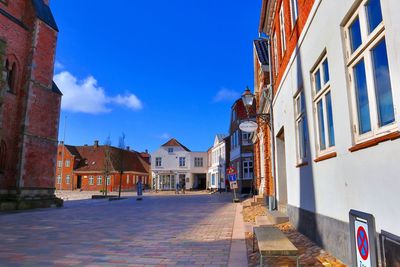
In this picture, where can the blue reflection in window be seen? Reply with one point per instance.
(325, 68)
(329, 113)
(321, 125)
(355, 35)
(360, 80)
(374, 13)
(317, 81)
(383, 87)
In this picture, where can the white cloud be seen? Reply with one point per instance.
(226, 95)
(165, 136)
(87, 96)
(130, 101)
(58, 65)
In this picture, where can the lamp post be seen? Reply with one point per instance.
(248, 100)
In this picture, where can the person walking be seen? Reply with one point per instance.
(177, 189)
(183, 186)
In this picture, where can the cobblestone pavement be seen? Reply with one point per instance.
(160, 230)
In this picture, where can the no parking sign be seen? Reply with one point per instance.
(363, 241)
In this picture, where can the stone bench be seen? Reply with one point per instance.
(273, 243)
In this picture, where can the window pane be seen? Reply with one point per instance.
(329, 113)
(374, 13)
(317, 81)
(364, 120)
(355, 34)
(325, 69)
(383, 87)
(304, 122)
(321, 125)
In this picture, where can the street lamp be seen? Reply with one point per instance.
(248, 100)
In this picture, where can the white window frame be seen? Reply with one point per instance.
(249, 175)
(127, 179)
(282, 29)
(91, 180)
(182, 161)
(246, 138)
(108, 180)
(59, 164)
(67, 163)
(170, 150)
(68, 179)
(99, 180)
(59, 179)
(198, 162)
(158, 161)
(368, 43)
(294, 11)
(325, 89)
(276, 58)
(301, 115)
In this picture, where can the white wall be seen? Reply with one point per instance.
(366, 180)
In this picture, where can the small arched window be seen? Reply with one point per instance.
(3, 155)
(11, 69)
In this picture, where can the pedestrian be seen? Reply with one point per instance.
(177, 189)
(183, 186)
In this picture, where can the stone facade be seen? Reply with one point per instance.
(29, 104)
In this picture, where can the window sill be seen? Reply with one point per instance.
(326, 156)
(375, 141)
(302, 164)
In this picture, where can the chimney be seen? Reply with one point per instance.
(128, 148)
(146, 151)
(96, 143)
(46, 2)
(61, 142)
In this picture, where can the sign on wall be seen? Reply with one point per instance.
(248, 126)
(363, 239)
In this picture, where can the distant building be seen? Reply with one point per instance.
(241, 147)
(173, 163)
(336, 71)
(218, 155)
(95, 168)
(29, 104)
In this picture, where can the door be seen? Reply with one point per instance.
(281, 171)
(79, 182)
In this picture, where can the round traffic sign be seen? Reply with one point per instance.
(362, 243)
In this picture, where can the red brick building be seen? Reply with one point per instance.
(29, 104)
(93, 168)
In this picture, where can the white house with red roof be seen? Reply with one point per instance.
(174, 164)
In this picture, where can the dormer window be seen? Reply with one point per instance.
(170, 150)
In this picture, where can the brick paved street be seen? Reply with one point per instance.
(158, 231)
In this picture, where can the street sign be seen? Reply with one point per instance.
(363, 241)
(233, 185)
(232, 177)
(231, 170)
(248, 126)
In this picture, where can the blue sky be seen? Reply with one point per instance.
(152, 69)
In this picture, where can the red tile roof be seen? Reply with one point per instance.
(92, 159)
(174, 142)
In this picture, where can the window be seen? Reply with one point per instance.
(323, 107)
(282, 29)
(127, 179)
(11, 70)
(369, 73)
(59, 179)
(170, 150)
(301, 127)
(198, 162)
(59, 164)
(67, 163)
(68, 179)
(108, 180)
(158, 162)
(233, 115)
(3, 156)
(235, 139)
(275, 53)
(182, 161)
(213, 179)
(248, 169)
(99, 180)
(246, 138)
(91, 180)
(294, 11)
